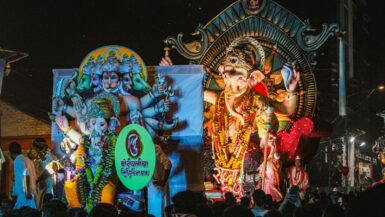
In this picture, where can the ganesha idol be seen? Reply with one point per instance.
(245, 109)
(248, 111)
(94, 180)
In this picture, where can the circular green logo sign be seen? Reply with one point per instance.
(135, 157)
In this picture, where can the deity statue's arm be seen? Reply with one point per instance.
(157, 90)
(210, 96)
(161, 107)
(288, 105)
(62, 123)
(146, 100)
(70, 111)
(159, 125)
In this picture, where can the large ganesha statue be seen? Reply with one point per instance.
(252, 106)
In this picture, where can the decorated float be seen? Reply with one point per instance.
(252, 89)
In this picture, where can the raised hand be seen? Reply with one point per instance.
(163, 106)
(272, 140)
(166, 61)
(62, 123)
(114, 124)
(158, 90)
(294, 80)
(57, 106)
(79, 106)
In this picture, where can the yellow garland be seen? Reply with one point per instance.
(241, 137)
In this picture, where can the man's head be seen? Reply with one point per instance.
(259, 197)
(184, 202)
(335, 189)
(54, 208)
(38, 149)
(27, 211)
(103, 209)
(14, 149)
(236, 211)
(297, 161)
(230, 199)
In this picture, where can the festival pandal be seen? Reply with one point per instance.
(233, 120)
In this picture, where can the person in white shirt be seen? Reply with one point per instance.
(24, 187)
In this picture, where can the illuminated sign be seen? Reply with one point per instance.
(135, 157)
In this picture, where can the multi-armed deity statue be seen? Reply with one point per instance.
(110, 90)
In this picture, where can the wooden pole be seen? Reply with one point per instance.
(269, 112)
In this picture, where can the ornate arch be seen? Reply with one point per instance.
(269, 23)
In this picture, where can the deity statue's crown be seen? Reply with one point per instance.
(237, 59)
(245, 52)
(111, 64)
(126, 65)
(88, 67)
(104, 105)
(98, 67)
(136, 67)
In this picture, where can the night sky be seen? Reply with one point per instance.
(59, 34)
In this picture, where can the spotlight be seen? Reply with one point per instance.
(352, 139)
(381, 87)
(362, 144)
(7, 70)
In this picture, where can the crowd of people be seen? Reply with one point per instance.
(299, 201)
(258, 204)
(295, 204)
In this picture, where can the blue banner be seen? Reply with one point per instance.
(186, 145)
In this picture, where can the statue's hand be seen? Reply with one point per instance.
(162, 106)
(57, 106)
(294, 80)
(52, 167)
(62, 123)
(157, 90)
(70, 88)
(114, 123)
(166, 61)
(272, 140)
(78, 104)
